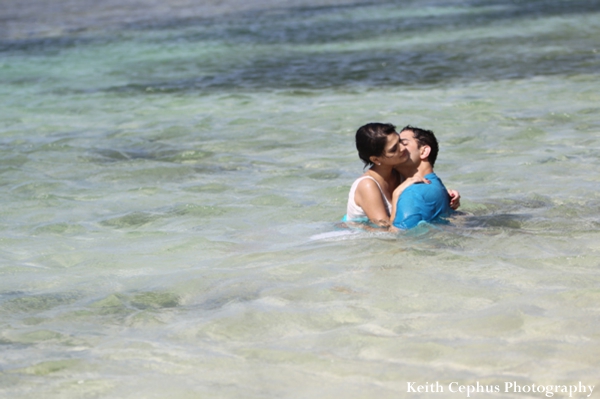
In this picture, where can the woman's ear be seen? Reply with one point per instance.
(425, 150)
(375, 160)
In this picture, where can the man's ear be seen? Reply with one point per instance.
(425, 150)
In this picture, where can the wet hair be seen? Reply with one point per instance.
(425, 137)
(371, 140)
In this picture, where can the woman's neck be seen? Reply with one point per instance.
(386, 173)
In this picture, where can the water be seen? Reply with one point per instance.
(172, 180)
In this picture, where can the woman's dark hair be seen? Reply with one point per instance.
(371, 140)
(425, 137)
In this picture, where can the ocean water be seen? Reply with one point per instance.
(172, 187)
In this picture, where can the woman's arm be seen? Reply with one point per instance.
(398, 191)
(368, 197)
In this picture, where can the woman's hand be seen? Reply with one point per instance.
(408, 182)
(417, 179)
(454, 199)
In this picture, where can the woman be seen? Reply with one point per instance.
(374, 195)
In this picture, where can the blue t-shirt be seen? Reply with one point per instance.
(422, 202)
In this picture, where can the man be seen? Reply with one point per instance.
(420, 202)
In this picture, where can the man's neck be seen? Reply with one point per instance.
(423, 169)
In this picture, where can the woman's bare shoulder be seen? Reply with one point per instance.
(367, 183)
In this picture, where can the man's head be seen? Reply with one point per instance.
(421, 144)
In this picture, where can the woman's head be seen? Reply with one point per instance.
(376, 140)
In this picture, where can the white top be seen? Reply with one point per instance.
(355, 212)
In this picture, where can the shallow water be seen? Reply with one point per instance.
(172, 190)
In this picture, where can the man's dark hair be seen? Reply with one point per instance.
(371, 140)
(425, 137)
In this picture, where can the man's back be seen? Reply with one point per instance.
(422, 202)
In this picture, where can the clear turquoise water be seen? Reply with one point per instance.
(171, 193)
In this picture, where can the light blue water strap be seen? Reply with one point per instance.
(358, 220)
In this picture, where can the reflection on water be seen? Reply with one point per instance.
(173, 185)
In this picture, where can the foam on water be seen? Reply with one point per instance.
(172, 189)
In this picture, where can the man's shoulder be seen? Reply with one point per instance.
(413, 191)
(419, 189)
(436, 182)
(424, 196)
(433, 177)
